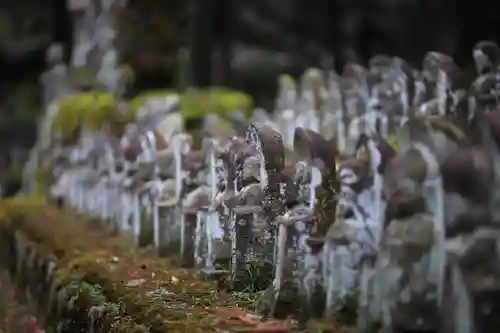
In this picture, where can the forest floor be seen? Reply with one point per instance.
(135, 285)
(15, 317)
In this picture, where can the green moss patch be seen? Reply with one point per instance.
(94, 110)
(97, 110)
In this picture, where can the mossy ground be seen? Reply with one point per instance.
(102, 270)
(135, 290)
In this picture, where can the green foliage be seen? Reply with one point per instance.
(257, 278)
(93, 294)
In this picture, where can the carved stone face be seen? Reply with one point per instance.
(301, 174)
(183, 142)
(402, 185)
(313, 83)
(380, 64)
(481, 60)
(194, 161)
(251, 168)
(251, 195)
(486, 55)
(194, 164)
(130, 143)
(55, 53)
(436, 62)
(354, 172)
(387, 91)
(357, 126)
(354, 107)
(167, 190)
(287, 88)
(478, 258)
(198, 198)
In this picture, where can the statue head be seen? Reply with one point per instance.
(54, 54)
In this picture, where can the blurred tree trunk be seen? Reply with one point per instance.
(201, 42)
(349, 30)
(223, 31)
(148, 40)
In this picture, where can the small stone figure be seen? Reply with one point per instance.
(54, 80)
(109, 73)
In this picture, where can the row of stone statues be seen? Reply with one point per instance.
(378, 184)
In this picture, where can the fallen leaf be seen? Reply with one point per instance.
(135, 283)
(34, 326)
(267, 327)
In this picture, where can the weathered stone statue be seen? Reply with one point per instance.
(55, 85)
(54, 79)
(109, 74)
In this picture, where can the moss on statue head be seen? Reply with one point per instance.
(196, 103)
(92, 110)
(97, 110)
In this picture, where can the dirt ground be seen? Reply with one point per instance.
(14, 316)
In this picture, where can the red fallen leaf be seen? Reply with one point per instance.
(237, 320)
(231, 313)
(203, 313)
(267, 327)
(51, 213)
(34, 326)
(101, 253)
(132, 276)
(236, 317)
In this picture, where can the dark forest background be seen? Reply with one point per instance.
(243, 44)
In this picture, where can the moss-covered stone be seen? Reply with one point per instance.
(196, 103)
(91, 109)
(96, 109)
(98, 280)
(327, 201)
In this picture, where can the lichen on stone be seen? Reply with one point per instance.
(93, 109)
(97, 110)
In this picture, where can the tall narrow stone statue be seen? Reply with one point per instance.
(109, 74)
(54, 79)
